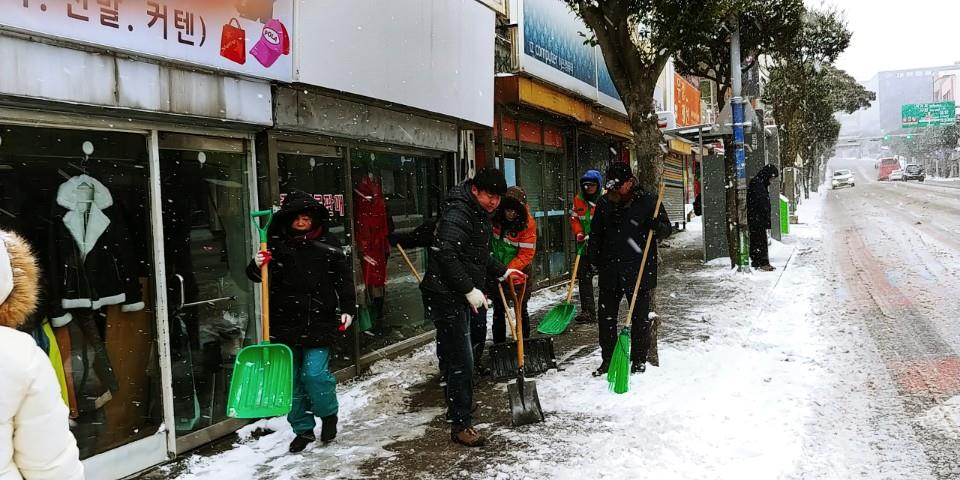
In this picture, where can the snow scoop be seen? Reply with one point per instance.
(262, 382)
(558, 319)
(539, 355)
(618, 375)
(524, 400)
(409, 264)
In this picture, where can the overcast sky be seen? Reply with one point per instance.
(898, 34)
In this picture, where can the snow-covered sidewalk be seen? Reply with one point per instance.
(738, 396)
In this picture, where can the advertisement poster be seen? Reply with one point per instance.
(686, 99)
(251, 37)
(553, 37)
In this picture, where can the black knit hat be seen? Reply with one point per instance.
(617, 174)
(490, 180)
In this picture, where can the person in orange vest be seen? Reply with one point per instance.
(584, 206)
(514, 244)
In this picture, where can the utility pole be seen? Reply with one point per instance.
(737, 108)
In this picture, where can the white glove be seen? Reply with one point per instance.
(512, 272)
(476, 299)
(345, 321)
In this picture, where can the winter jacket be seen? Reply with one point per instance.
(758, 197)
(460, 258)
(515, 243)
(92, 265)
(585, 207)
(35, 438)
(371, 231)
(309, 286)
(618, 237)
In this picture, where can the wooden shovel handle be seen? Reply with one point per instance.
(507, 312)
(518, 317)
(643, 262)
(573, 279)
(265, 295)
(409, 263)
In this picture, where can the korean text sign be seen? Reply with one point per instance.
(251, 37)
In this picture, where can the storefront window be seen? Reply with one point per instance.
(392, 192)
(319, 170)
(207, 245)
(80, 199)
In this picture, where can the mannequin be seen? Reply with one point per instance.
(371, 233)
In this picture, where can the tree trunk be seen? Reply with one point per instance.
(647, 139)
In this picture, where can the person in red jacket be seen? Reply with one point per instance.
(584, 206)
(514, 244)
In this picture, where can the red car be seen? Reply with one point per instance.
(886, 167)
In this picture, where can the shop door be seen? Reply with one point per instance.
(208, 242)
(320, 170)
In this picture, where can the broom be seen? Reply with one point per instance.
(618, 375)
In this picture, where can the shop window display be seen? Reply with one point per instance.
(80, 199)
(207, 245)
(392, 192)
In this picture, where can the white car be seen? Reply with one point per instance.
(841, 178)
(896, 175)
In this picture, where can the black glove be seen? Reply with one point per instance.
(650, 224)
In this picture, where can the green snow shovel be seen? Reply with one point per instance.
(262, 382)
(558, 319)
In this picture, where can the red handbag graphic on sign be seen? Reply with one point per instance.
(233, 42)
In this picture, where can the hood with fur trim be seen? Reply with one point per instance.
(19, 280)
(515, 199)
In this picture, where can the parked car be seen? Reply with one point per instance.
(841, 178)
(896, 175)
(914, 172)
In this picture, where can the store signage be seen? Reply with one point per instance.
(554, 50)
(251, 37)
(686, 99)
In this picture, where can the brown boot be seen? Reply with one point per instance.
(767, 268)
(467, 437)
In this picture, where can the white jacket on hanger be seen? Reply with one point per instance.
(35, 438)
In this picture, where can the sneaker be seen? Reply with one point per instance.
(602, 370)
(467, 437)
(328, 428)
(585, 318)
(767, 268)
(301, 442)
(638, 367)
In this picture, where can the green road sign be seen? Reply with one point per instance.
(918, 115)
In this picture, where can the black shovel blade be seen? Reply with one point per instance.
(524, 402)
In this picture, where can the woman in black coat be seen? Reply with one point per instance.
(311, 305)
(758, 216)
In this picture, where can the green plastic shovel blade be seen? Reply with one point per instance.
(262, 383)
(558, 319)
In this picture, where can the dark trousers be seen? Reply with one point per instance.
(758, 247)
(455, 351)
(478, 334)
(588, 305)
(499, 318)
(639, 325)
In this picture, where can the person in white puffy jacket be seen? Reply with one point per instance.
(35, 438)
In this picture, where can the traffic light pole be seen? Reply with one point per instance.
(737, 107)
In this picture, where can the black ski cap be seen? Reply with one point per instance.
(617, 174)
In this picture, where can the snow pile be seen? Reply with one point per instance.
(374, 412)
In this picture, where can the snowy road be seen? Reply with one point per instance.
(841, 365)
(898, 256)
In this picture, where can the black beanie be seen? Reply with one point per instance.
(490, 180)
(617, 174)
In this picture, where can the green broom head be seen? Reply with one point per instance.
(557, 319)
(618, 376)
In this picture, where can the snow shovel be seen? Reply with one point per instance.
(262, 382)
(524, 399)
(409, 264)
(539, 353)
(558, 319)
